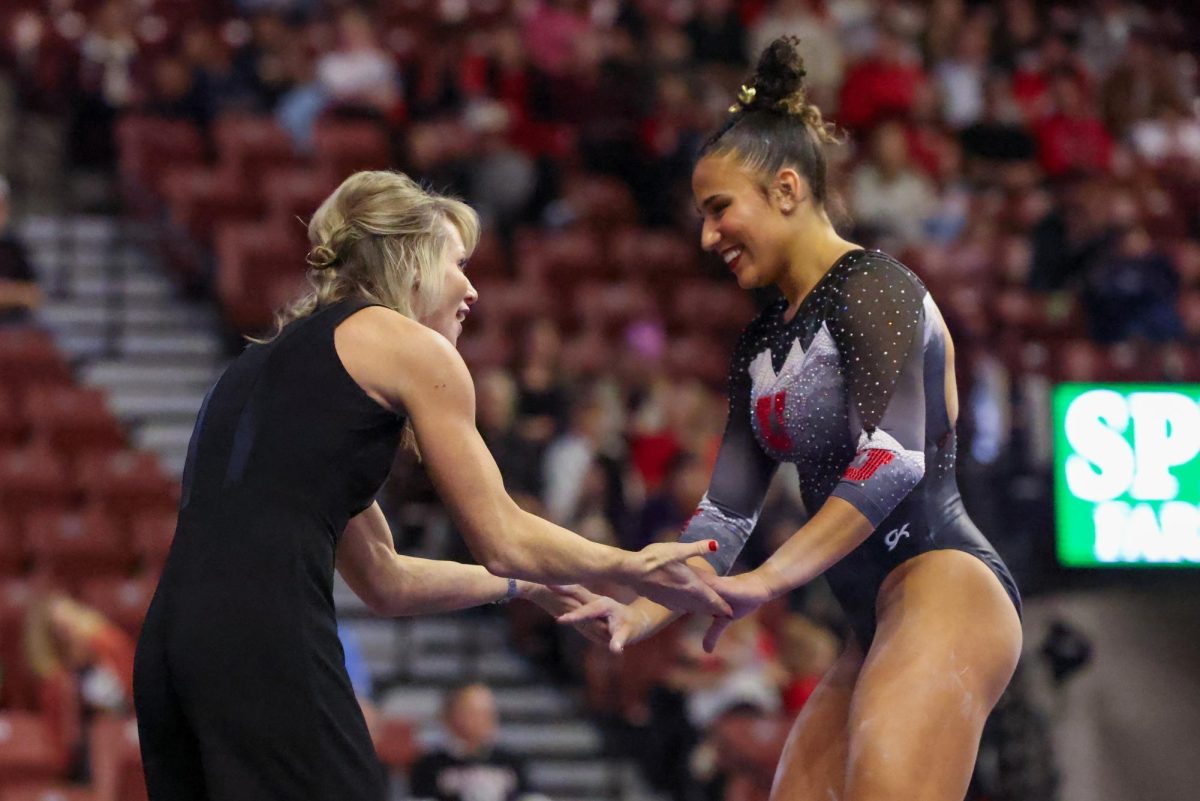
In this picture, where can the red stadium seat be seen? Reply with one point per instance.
(116, 760)
(259, 267)
(1038, 315)
(76, 546)
(701, 357)
(27, 751)
(48, 791)
(127, 483)
(201, 199)
(29, 355)
(610, 307)
(588, 355)
(12, 548)
(660, 258)
(601, 203)
(14, 428)
(146, 145)
(17, 690)
(396, 743)
(34, 478)
(485, 348)
(252, 146)
(489, 261)
(1186, 254)
(1189, 311)
(73, 419)
(715, 308)
(294, 194)
(562, 258)
(1179, 362)
(344, 147)
(506, 305)
(124, 601)
(153, 532)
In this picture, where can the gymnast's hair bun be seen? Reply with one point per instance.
(779, 77)
(778, 86)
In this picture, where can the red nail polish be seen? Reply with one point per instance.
(712, 545)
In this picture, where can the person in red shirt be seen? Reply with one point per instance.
(882, 85)
(1072, 137)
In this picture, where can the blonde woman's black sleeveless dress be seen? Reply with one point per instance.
(240, 681)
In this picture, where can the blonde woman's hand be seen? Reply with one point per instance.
(658, 572)
(622, 624)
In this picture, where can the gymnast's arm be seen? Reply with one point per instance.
(729, 509)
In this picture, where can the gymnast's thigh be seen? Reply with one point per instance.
(813, 763)
(947, 642)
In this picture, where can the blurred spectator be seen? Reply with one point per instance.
(806, 651)
(19, 292)
(516, 456)
(742, 672)
(1132, 289)
(1072, 136)
(890, 199)
(261, 65)
(1139, 85)
(359, 75)
(1075, 232)
(570, 457)
(552, 32)
(1169, 136)
(109, 82)
(998, 141)
(541, 397)
(960, 78)
(716, 33)
(83, 665)
(215, 83)
(173, 92)
(882, 85)
(667, 510)
(469, 767)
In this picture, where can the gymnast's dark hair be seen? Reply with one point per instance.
(772, 124)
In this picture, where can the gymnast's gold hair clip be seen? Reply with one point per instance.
(745, 98)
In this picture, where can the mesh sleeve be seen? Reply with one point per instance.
(878, 325)
(741, 476)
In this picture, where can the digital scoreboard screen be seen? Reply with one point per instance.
(1127, 474)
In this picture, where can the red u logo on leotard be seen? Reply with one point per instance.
(772, 428)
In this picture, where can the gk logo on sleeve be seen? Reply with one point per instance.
(892, 538)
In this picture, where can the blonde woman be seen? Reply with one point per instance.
(240, 684)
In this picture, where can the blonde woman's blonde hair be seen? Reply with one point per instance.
(379, 236)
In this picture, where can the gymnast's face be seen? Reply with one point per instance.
(458, 296)
(742, 224)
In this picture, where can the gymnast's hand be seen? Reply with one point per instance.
(561, 599)
(658, 572)
(744, 593)
(621, 624)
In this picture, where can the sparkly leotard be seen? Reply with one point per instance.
(852, 391)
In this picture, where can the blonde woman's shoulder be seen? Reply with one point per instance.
(392, 356)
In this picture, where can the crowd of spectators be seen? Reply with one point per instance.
(1038, 164)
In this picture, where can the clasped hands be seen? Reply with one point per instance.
(609, 622)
